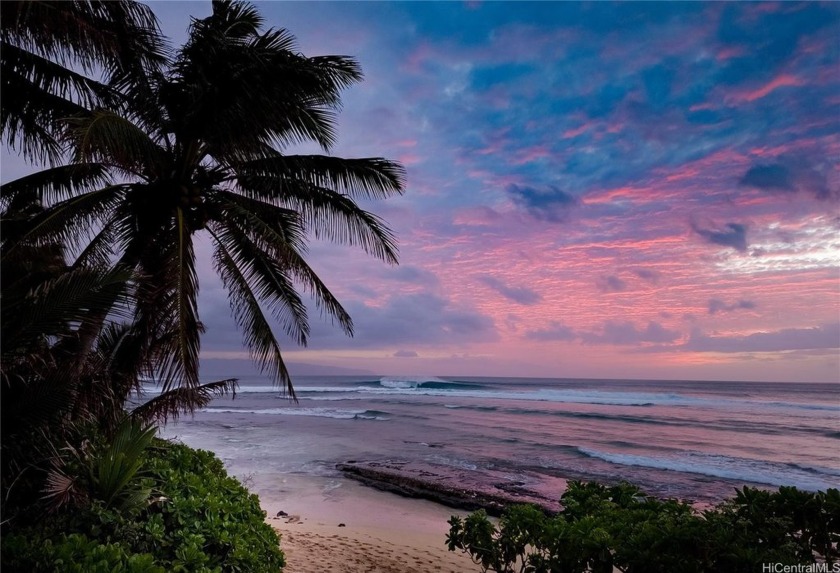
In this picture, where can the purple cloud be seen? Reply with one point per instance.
(826, 336)
(547, 204)
(734, 235)
(612, 283)
(555, 331)
(626, 333)
(405, 354)
(519, 295)
(420, 318)
(647, 275)
(716, 305)
(773, 177)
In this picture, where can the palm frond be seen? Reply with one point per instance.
(167, 306)
(52, 306)
(259, 338)
(45, 44)
(55, 184)
(253, 219)
(268, 279)
(85, 33)
(326, 214)
(113, 471)
(169, 405)
(98, 252)
(106, 136)
(369, 178)
(53, 78)
(284, 222)
(187, 303)
(235, 20)
(121, 356)
(248, 88)
(69, 220)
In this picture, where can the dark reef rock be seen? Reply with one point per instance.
(468, 489)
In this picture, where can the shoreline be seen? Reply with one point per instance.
(345, 526)
(384, 523)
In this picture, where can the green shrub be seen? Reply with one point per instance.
(208, 519)
(602, 529)
(198, 520)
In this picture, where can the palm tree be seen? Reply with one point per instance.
(198, 149)
(48, 49)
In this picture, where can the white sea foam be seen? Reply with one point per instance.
(339, 414)
(408, 381)
(152, 389)
(757, 471)
(414, 387)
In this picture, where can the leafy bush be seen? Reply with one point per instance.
(198, 520)
(605, 528)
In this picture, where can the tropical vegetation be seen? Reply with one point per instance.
(143, 153)
(602, 529)
(181, 513)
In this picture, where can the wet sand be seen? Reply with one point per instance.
(318, 548)
(342, 526)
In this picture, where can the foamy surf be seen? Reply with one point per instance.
(338, 414)
(741, 469)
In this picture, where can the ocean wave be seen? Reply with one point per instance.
(151, 388)
(810, 478)
(428, 382)
(339, 414)
(425, 386)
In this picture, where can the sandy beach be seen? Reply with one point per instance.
(341, 526)
(319, 548)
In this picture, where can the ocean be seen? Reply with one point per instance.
(695, 440)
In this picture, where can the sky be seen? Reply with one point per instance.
(628, 190)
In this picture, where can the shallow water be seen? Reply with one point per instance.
(692, 440)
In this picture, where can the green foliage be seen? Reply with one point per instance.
(73, 553)
(113, 472)
(198, 519)
(207, 512)
(602, 529)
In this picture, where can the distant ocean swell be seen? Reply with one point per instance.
(721, 466)
(456, 389)
(387, 386)
(338, 414)
(755, 426)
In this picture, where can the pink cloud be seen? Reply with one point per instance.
(410, 159)
(780, 81)
(570, 133)
(417, 59)
(729, 52)
(529, 154)
(702, 106)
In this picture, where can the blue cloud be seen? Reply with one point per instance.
(734, 236)
(626, 333)
(773, 177)
(405, 354)
(548, 204)
(716, 305)
(612, 283)
(555, 331)
(520, 295)
(820, 337)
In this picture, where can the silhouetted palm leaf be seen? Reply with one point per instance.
(43, 43)
(168, 405)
